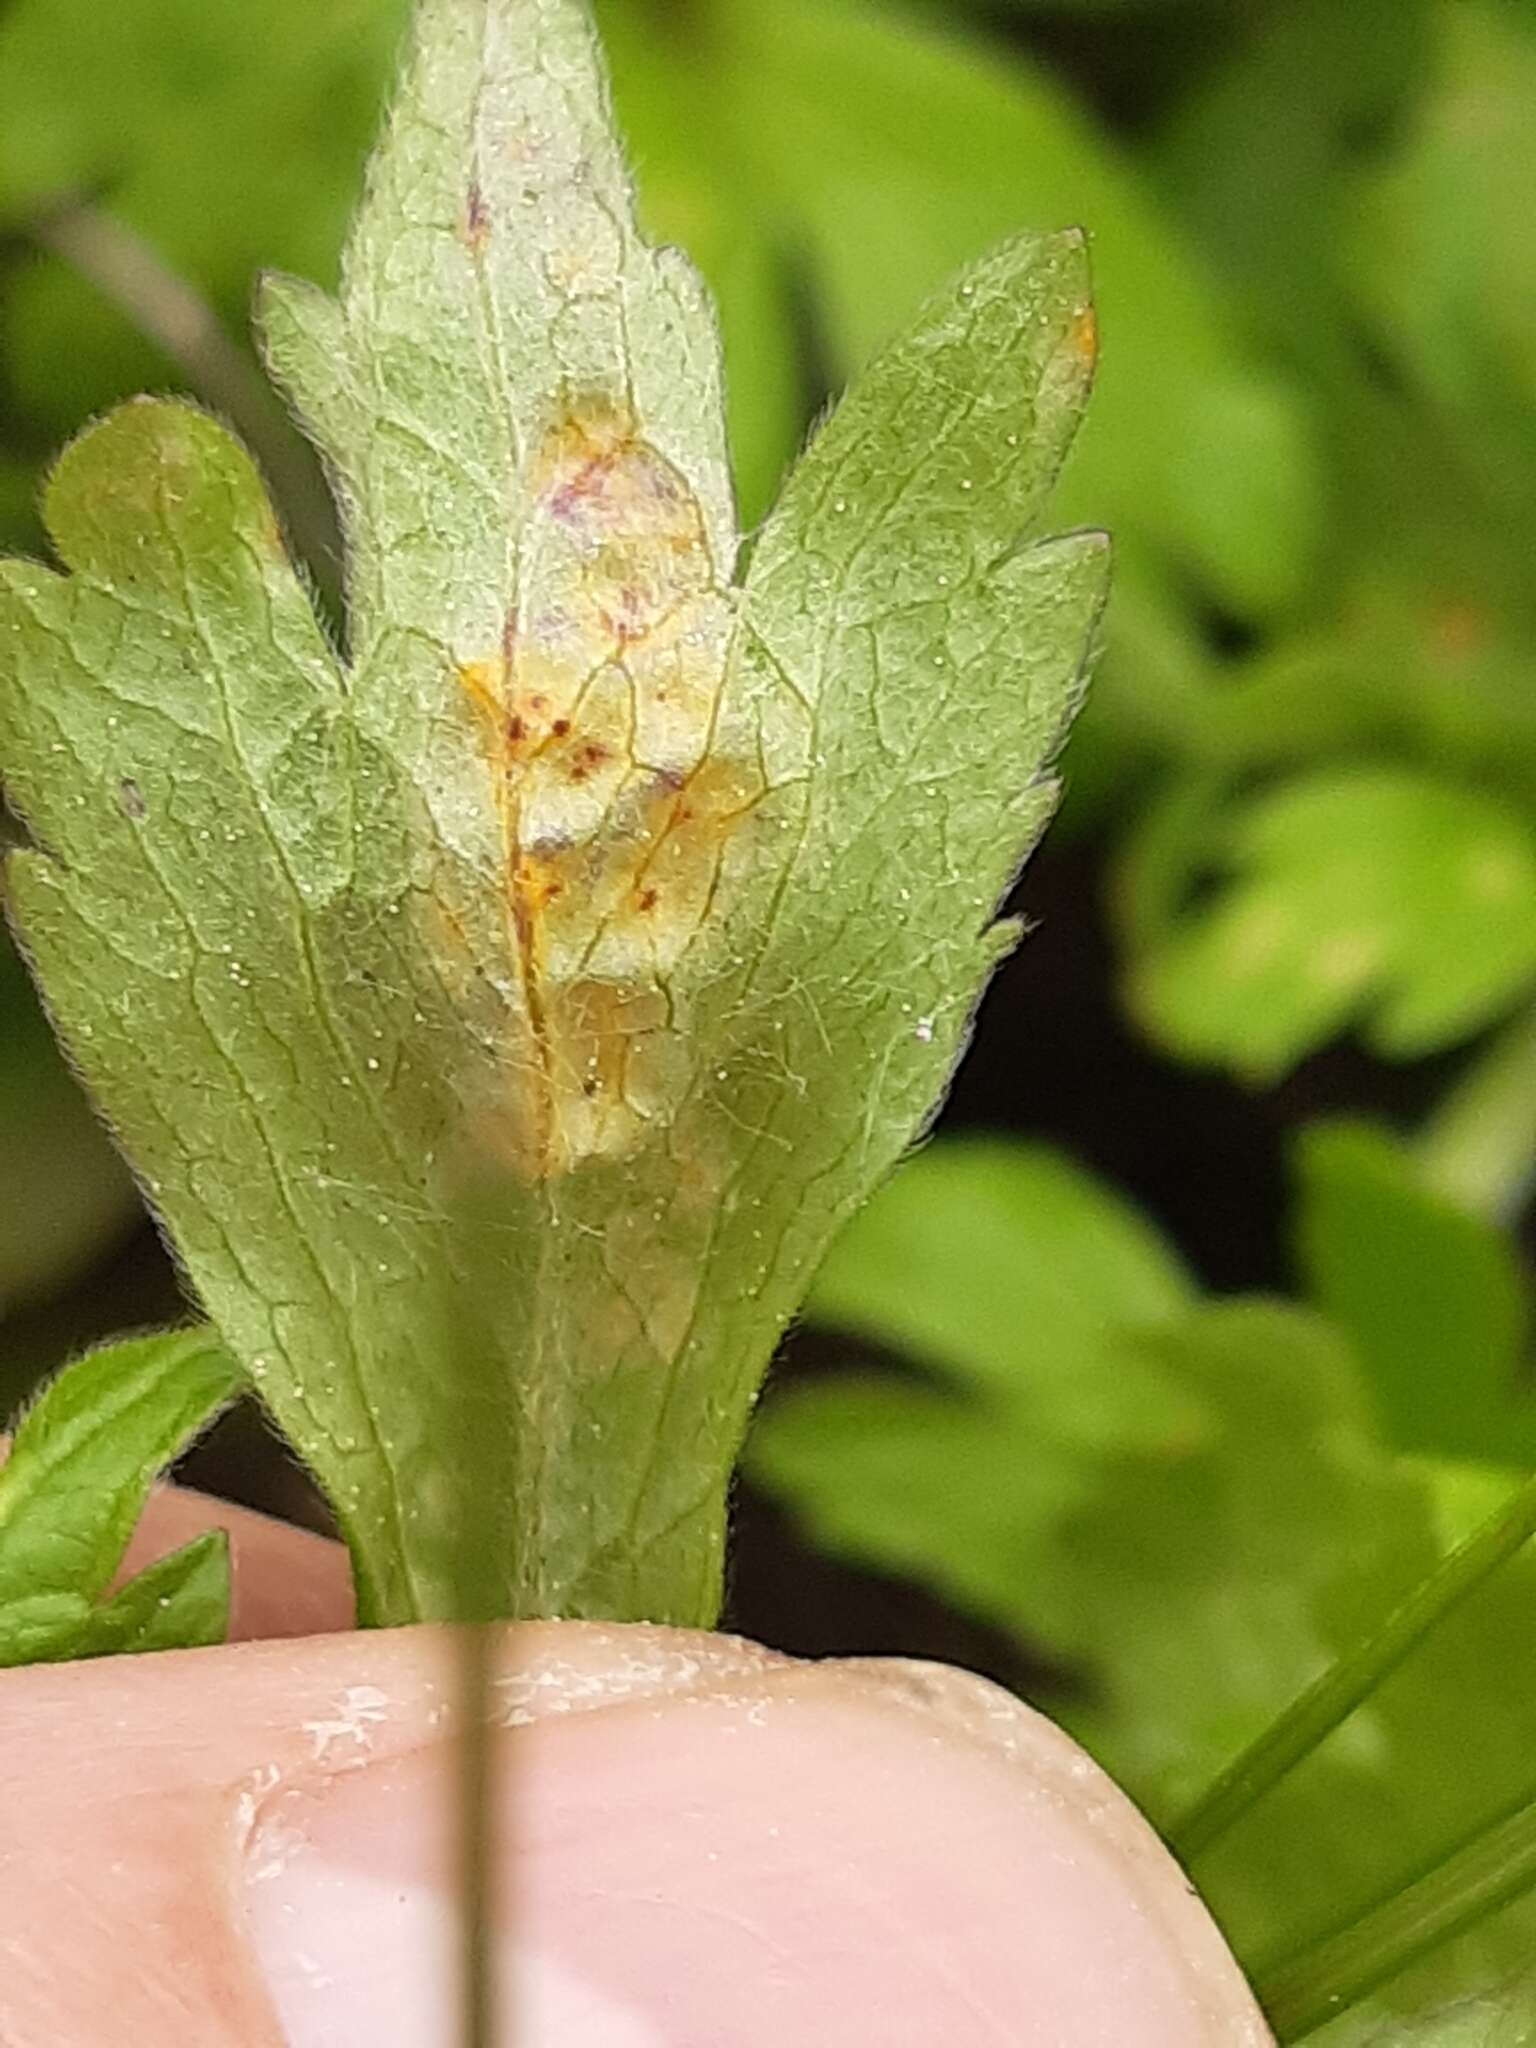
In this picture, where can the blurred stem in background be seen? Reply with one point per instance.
(166, 309)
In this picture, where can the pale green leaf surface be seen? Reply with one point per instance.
(1384, 898)
(696, 191)
(294, 919)
(87, 1452)
(1432, 1296)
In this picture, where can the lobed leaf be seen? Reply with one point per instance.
(1388, 897)
(657, 903)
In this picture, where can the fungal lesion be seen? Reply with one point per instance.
(616, 793)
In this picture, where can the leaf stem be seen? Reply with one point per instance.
(1480, 1145)
(1332, 1697)
(127, 272)
(1482, 1873)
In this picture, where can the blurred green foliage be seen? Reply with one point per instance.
(1307, 776)
(1195, 1505)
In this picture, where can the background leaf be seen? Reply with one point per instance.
(1432, 1297)
(1189, 1506)
(1395, 900)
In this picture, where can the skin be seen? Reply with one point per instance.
(702, 1843)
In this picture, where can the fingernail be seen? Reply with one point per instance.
(352, 1911)
(891, 1853)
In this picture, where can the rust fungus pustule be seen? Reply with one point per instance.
(475, 221)
(1084, 337)
(614, 786)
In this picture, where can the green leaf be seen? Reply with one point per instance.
(88, 1450)
(74, 1486)
(1469, 1882)
(696, 190)
(1259, 153)
(660, 903)
(42, 1628)
(1437, 249)
(1376, 896)
(1009, 1274)
(1433, 1297)
(888, 153)
(181, 1602)
(1104, 1453)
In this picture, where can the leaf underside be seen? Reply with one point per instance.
(654, 901)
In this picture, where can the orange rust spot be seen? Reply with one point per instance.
(1083, 337)
(601, 710)
(536, 884)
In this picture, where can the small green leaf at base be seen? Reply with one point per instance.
(180, 1602)
(74, 1486)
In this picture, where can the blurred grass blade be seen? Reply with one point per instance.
(479, 1759)
(1335, 1695)
(1482, 1874)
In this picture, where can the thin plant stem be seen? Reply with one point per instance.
(1483, 1873)
(1331, 1698)
(129, 274)
(1479, 1147)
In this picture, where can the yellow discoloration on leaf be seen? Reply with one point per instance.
(600, 711)
(1084, 339)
